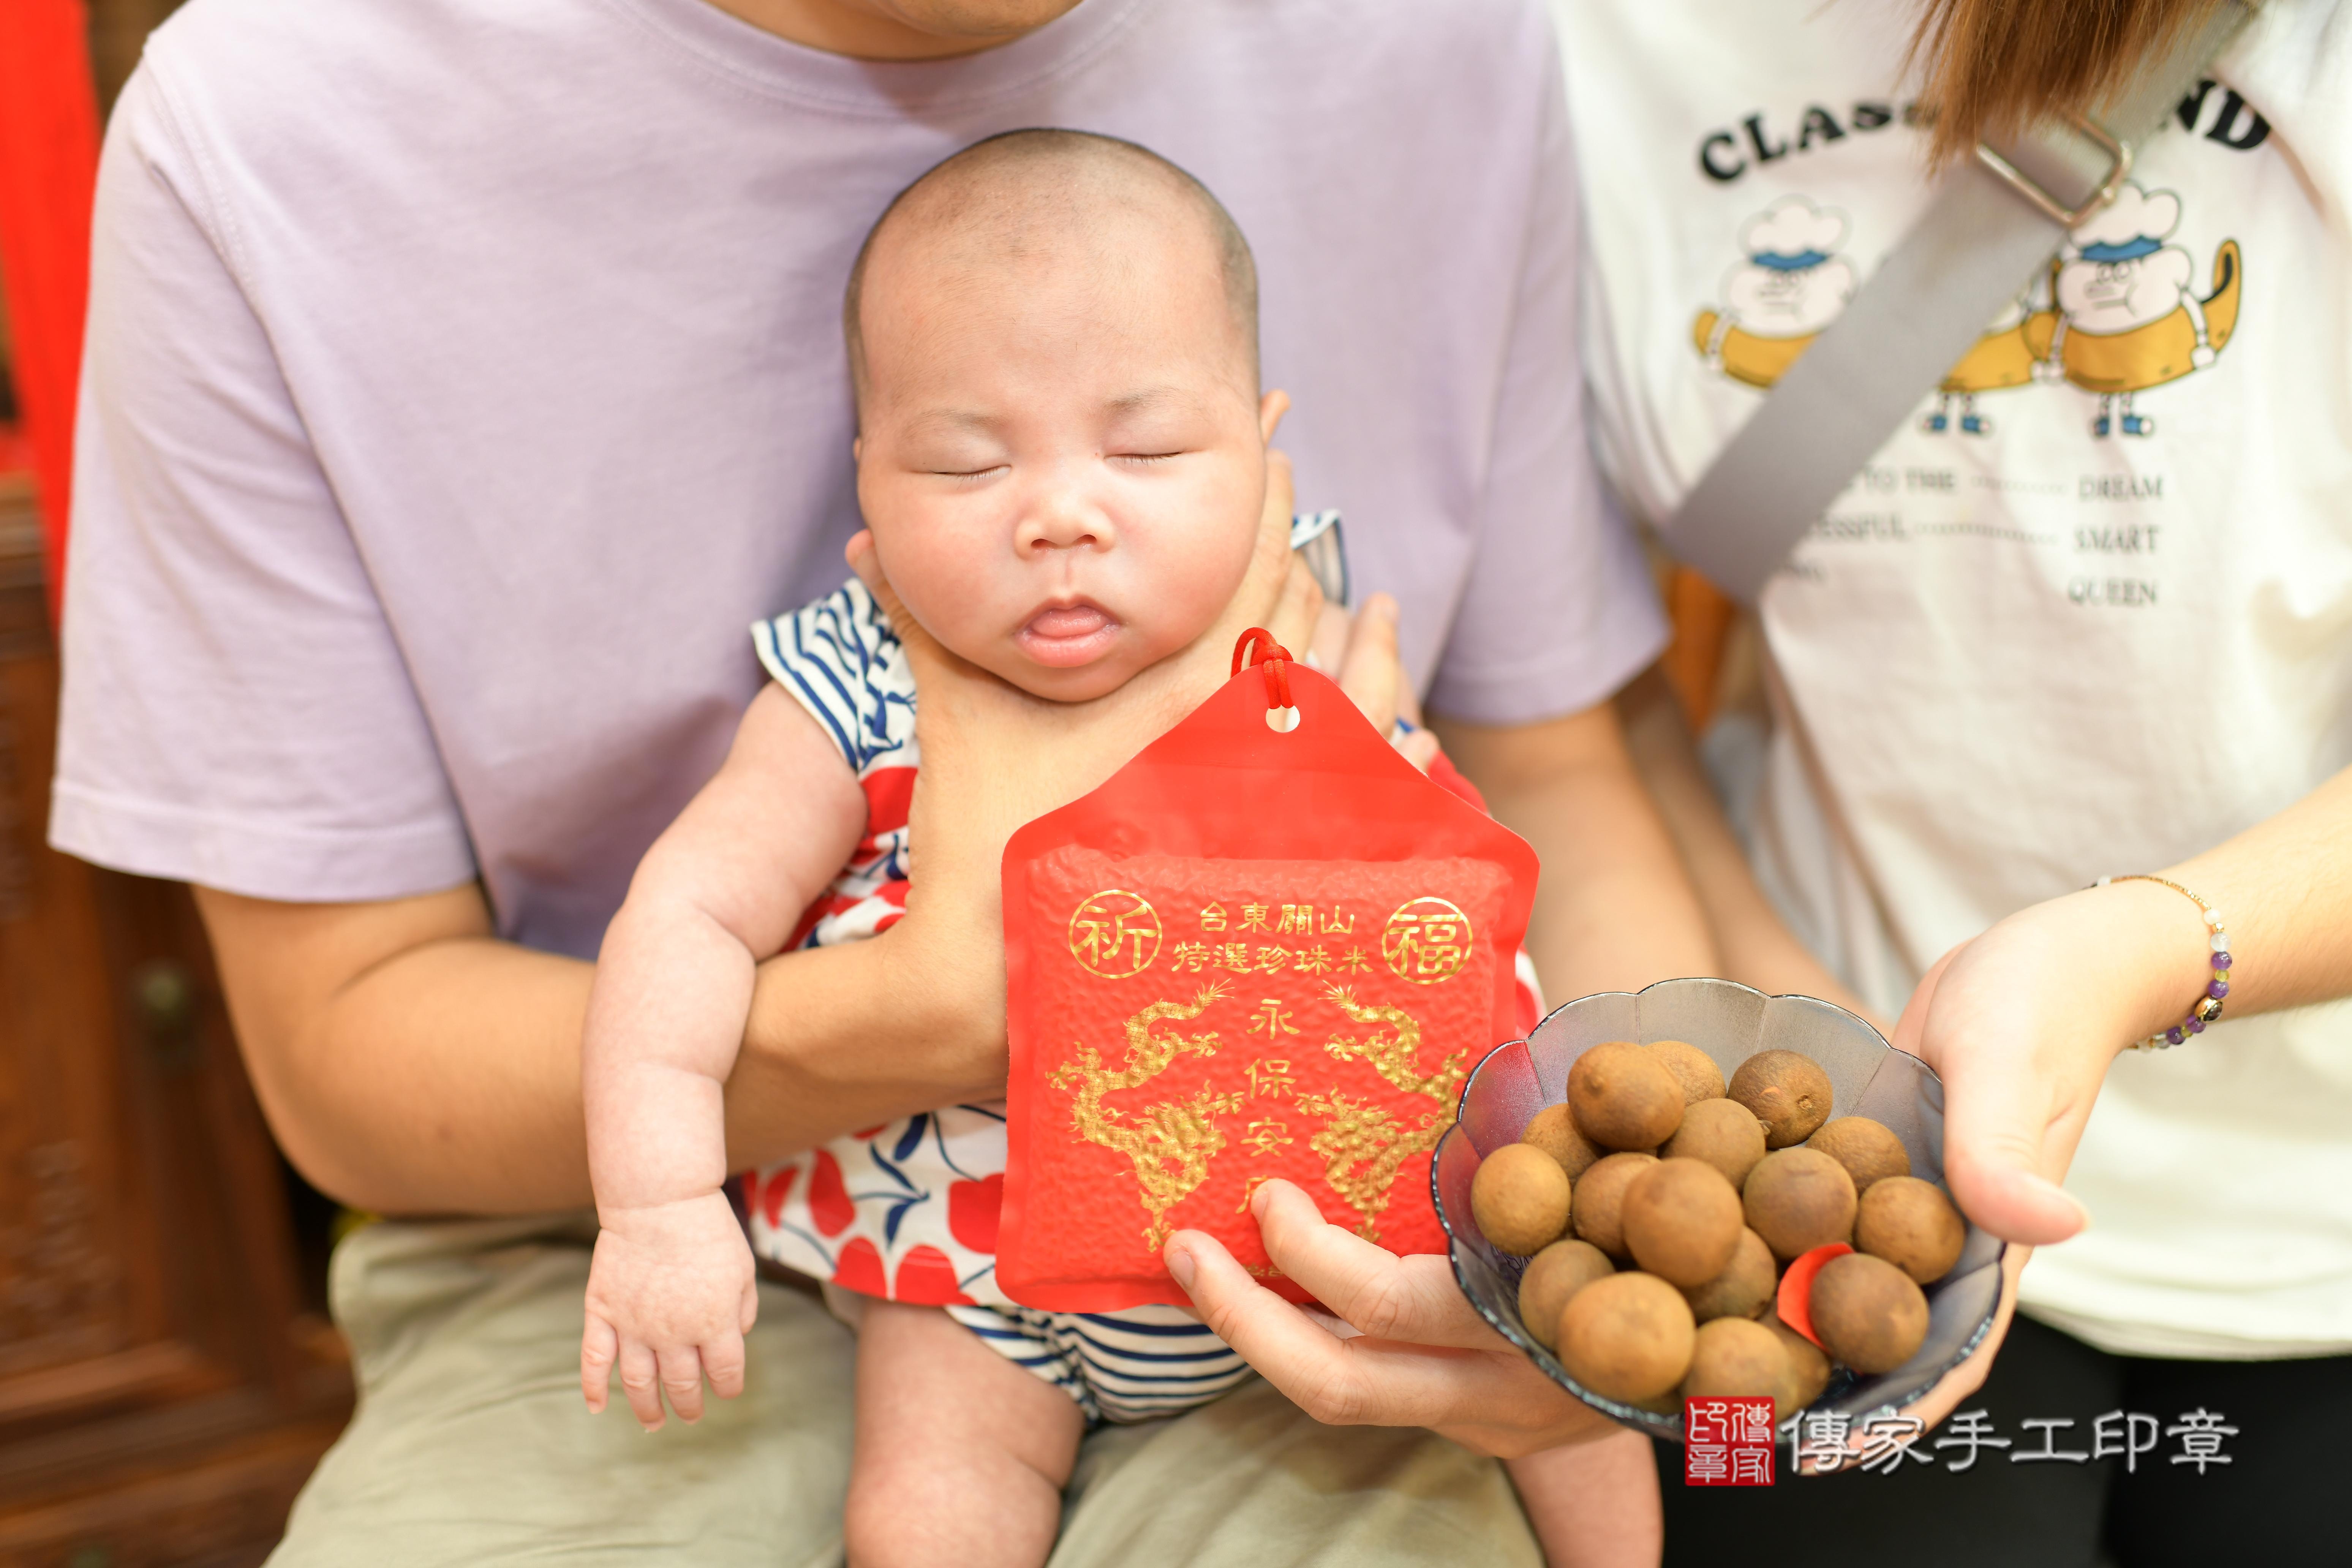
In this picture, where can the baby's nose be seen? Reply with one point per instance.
(1064, 521)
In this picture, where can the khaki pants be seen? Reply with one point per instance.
(471, 1445)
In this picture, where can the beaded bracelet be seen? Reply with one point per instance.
(2209, 1007)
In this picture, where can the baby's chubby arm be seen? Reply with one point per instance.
(670, 1291)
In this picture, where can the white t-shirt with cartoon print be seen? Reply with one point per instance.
(2089, 612)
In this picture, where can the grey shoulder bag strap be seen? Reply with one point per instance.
(1993, 222)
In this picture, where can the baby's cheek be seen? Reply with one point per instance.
(1200, 588)
(954, 590)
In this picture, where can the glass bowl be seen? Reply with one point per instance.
(1731, 1023)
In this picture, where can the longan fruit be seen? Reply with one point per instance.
(1911, 1225)
(1788, 1093)
(1627, 1337)
(1798, 1199)
(1520, 1198)
(1870, 1314)
(1601, 1196)
(1742, 1358)
(1553, 1130)
(1692, 1068)
(1681, 1221)
(1809, 1368)
(1553, 1275)
(1623, 1097)
(1868, 1150)
(1723, 1132)
(1744, 1288)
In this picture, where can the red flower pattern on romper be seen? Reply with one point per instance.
(771, 1197)
(928, 1279)
(829, 1202)
(974, 1209)
(860, 1268)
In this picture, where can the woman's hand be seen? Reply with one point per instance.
(2021, 1024)
(1421, 1355)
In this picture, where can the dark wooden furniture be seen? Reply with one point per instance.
(166, 1376)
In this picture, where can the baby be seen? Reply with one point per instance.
(1062, 465)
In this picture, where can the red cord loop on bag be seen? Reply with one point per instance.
(1274, 657)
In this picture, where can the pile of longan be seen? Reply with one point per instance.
(1709, 1192)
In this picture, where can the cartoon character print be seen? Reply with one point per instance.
(2127, 314)
(2117, 313)
(1775, 303)
(2005, 356)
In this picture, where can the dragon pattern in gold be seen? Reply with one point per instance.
(1362, 1144)
(1171, 1143)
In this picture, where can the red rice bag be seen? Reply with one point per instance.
(1251, 954)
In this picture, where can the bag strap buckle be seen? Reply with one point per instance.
(2119, 166)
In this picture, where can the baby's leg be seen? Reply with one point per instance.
(961, 1454)
(1594, 1505)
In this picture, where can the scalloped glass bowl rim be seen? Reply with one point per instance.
(1847, 1040)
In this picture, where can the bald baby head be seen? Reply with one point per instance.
(1034, 202)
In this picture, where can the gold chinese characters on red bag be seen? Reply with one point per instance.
(1254, 953)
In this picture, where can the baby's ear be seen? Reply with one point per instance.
(1270, 410)
(866, 562)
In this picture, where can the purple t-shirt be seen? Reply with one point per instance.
(462, 379)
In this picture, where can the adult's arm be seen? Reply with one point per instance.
(1613, 911)
(412, 1062)
(1756, 946)
(2023, 1021)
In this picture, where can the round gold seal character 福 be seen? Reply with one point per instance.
(1427, 940)
(1115, 934)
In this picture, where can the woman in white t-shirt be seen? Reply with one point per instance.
(2088, 612)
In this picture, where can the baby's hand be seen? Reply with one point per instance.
(670, 1295)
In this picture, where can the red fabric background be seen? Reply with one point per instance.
(48, 172)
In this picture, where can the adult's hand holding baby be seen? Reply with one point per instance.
(1421, 1356)
(996, 757)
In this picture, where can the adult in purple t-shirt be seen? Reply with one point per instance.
(464, 379)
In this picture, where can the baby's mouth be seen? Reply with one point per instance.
(1067, 635)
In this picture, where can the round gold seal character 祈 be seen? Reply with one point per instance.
(1115, 934)
(1427, 940)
